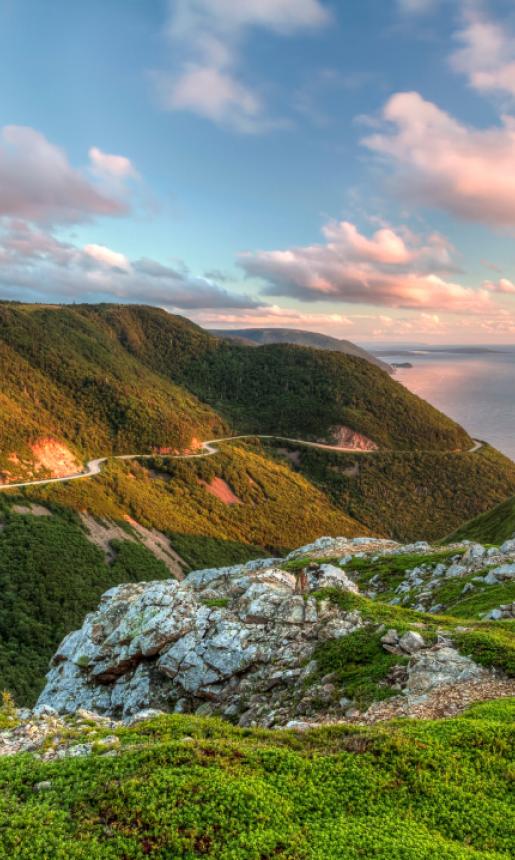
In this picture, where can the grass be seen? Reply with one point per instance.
(490, 643)
(184, 787)
(360, 666)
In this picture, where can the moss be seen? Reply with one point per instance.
(217, 602)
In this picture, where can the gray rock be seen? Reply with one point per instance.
(411, 642)
(333, 577)
(391, 637)
(504, 571)
(44, 785)
(455, 570)
(429, 669)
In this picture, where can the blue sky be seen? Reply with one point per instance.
(346, 167)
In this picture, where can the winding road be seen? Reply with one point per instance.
(94, 467)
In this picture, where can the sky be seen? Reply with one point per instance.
(342, 166)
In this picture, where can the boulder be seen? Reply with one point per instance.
(432, 668)
(411, 642)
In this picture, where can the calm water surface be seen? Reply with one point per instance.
(476, 389)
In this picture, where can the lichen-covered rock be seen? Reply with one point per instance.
(243, 641)
(172, 646)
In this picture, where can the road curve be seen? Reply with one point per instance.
(94, 467)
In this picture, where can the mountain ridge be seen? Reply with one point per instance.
(299, 337)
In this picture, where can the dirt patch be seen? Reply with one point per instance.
(352, 471)
(221, 490)
(55, 458)
(33, 510)
(160, 546)
(103, 532)
(445, 701)
(344, 437)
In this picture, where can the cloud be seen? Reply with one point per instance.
(486, 54)
(209, 34)
(503, 285)
(212, 93)
(37, 182)
(392, 268)
(107, 257)
(36, 265)
(440, 162)
(106, 165)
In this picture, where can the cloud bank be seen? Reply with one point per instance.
(36, 265)
(391, 268)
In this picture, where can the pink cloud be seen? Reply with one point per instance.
(107, 257)
(503, 285)
(38, 183)
(440, 162)
(107, 165)
(392, 269)
(272, 317)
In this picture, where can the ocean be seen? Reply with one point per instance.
(474, 386)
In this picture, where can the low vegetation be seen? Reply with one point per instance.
(186, 787)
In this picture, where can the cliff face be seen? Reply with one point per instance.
(277, 640)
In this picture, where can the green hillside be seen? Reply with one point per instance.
(261, 336)
(494, 526)
(277, 509)
(417, 495)
(51, 575)
(280, 388)
(183, 787)
(64, 375)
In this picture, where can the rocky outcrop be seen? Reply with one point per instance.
(344, 437)
(208, 643)
(243, 641)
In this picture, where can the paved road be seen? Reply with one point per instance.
(94, 467)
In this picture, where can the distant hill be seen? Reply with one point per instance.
(260, 336)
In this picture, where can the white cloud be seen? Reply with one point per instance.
(440, 162)
(38, 183)
(106, 165)
(208, 35)
(107, 257)
(392, 268)
(486, 54)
